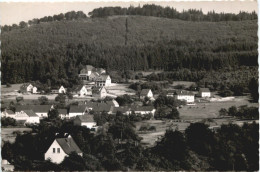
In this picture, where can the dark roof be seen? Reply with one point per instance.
(86, 118)
(75, 108)
(99, 107)
(79, 87)
(9, 111)
(122, 109)
(62, 111)
(102, 77)
(183, 92)
(96, 90)
(35, 108)
(144, 92)
(86, 69)
(30, 113)
(204, 90)
(143, 108)
(68, 145)
(170, 91)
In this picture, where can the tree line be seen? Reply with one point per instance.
(170, 12)
(72, 15)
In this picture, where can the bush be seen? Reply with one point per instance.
(8, 85)
(152, 128)
(18, 99)
(7, 121)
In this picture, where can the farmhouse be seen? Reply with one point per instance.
(77, 110)
(184, 95)
(28, 88)
(204, 92)
(8, 113)
(99, 92)
(143, 110)
(82, 91)
(27, 116)
(90, 73)
(85, 120)
(103, 80)
(60, 148)
(40, 110)
(146, 93)
(99, 107)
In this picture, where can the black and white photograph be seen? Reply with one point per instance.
(129, 86)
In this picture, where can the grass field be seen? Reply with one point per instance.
(8, 135)
(120, 89)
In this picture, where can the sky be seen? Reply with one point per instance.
(14, 12)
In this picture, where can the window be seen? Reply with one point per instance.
(58, 150)
(53, 150)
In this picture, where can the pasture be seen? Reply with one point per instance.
(120, 89)
(8, 134)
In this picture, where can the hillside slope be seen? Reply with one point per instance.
(60, 48)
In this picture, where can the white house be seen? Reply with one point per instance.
(144, 110)
(62, 90)
(28, 116)
(85, 120)
(99, 92)
(204, 92)
(103, 80)
(60, 148)
(28, 88)
(146, 93)
(34, 90)
(185, 95)
(77, 110)
(82, 90)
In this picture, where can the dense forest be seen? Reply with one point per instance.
(168, 12)
(54, 52)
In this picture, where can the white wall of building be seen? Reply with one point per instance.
(89, 124)
(205, 94)
(188, 98)
(55, 157)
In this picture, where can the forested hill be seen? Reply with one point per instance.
(58, 50)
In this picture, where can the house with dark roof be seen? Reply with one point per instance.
(146, 93)
(99, 107)
(60, 148)
(85, 120)
(76, 110)
(40, 110)
(204, 92)
(27, 116)
(86, 74)
(99, 92)
(8, 113)
(103, 81)
(123, 109)
(184, 96)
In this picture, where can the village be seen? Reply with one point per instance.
(98, 94)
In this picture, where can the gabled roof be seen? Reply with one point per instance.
(204, 90)
(99, 107)
(96, 90)
(35, 108)
(144, 92)
(79, 87)
(102, 78)
(24, 86)
(68, 145)
(75, 108)
(95, 74)
(30, 113)
(184, 92)
(86, 118)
